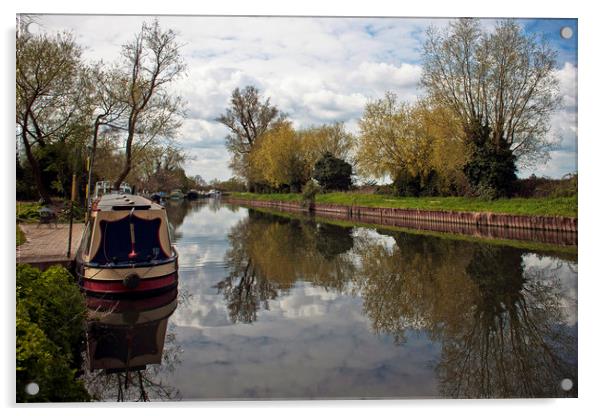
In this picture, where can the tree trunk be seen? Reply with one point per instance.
(37, 172)
(126, 168)
(128, 151)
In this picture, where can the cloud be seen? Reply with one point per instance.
(563, 128)
(317, 70)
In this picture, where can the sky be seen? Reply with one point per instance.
(317, 70)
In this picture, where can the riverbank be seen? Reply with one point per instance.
(547, 214)
(562, 206)
(544, 243)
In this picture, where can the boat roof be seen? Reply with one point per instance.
(118, 202)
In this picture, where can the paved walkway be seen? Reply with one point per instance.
(48, 243)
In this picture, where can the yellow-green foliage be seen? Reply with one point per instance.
(49, 326)
(414, 139)
(276, 158)
(286, 157)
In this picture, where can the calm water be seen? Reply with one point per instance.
(278, 306)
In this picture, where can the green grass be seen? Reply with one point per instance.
(28, 211)
(20, 236)
(562, 206)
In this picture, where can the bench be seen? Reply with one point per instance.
(48, 216)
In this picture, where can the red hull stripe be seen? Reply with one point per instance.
(112, 286)
(120, 305)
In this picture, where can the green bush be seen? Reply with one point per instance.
(540, 187)
(491, 172)
(308, 195)
(50, 328)
(28, 211)
(333, 173)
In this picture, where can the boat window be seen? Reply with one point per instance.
(116, 245)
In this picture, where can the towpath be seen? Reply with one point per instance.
(47, 244)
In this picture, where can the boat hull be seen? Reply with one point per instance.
(129, 282)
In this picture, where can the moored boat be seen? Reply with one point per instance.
(126, 248)
(176, 194)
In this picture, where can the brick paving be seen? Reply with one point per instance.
(48, 243)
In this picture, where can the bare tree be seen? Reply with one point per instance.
(107, 105)
(152, 62)
(501, 84)
(247, 119)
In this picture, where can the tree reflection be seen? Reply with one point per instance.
(502, 327)
(129, 350)
(412, 284)
(246, 289)
(332, 240)
(269, 253)
(515, 342)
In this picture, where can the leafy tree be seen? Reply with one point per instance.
(332, 173)
(411, 144)
(276, 159)
(333, 139)
(391, 140)
(48, 96)
(247, 119)
(159, 168)
(502, 88)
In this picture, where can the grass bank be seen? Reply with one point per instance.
(548, 206)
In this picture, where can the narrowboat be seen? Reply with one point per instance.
(106, 187)
(176, 194)
(126, 248)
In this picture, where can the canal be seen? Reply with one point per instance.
(286, 306)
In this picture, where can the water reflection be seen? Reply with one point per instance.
(294, 307)
(502, 329)
(129, 349)
(269, 254)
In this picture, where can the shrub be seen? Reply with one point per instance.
(491, 172)
(50, 327)
(308, 195)
(332, 173)
(539, 187)
(28, 211)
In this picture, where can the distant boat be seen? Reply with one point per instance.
(126, 248)
(176, 194)
(193, 194)
(106, 187)
(214, 193)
